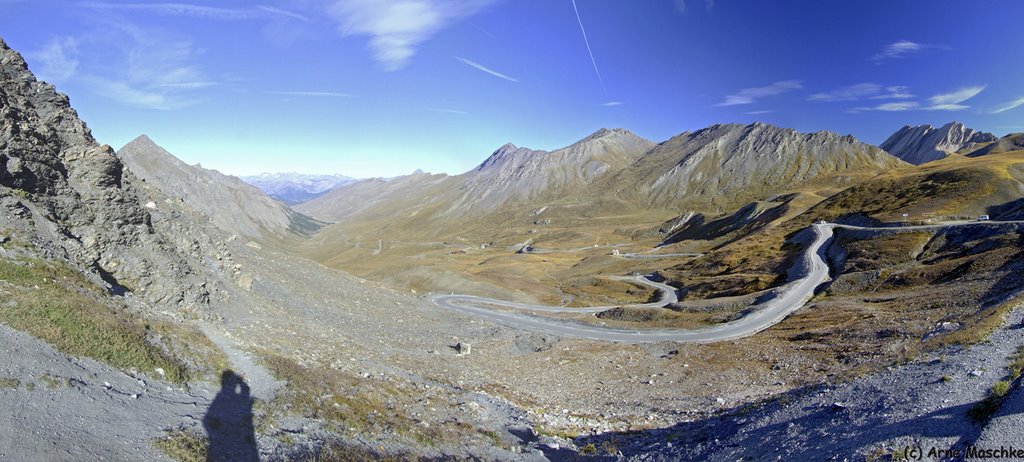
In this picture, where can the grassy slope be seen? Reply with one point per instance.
(51, 301)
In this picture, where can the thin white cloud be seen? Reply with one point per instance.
(188, 85)
(709, 6)
(612, 103)
(948, 107)
(486, 69)
(314, 94)
(895, 92)
(751, 95)
(888, 107)
(850, 93)
(759, 112)
(1011, 105)
(897, 50)
(198, 11)
(447, 111)
(951, 101)
(940, 102)
(896, 107)
(484, 31)
(176, 9)
(155, 70)
(866, 90)
(131, 95)
(285, 13)
(957, 96)
(396, 29)
(586, 41)
(58, 59)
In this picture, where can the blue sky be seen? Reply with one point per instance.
(380, 88)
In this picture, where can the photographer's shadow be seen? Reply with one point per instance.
(228, 422)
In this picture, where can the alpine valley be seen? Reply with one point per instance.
(735, 292)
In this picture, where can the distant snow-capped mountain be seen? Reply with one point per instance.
(295, 188)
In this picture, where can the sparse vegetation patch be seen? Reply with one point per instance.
(51, 301)
(184, 446)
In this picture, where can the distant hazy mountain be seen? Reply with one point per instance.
(294, 188)
(925, 143)
(230, 203)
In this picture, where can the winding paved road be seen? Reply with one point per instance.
(650, 256)
(810, 272)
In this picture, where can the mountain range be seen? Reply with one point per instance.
(293, 188)
(230, 203)
(133, 286)
(610, 171)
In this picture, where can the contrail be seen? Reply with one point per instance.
(586, 41)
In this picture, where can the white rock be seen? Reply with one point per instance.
(925, 143)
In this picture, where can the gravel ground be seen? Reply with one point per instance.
(922, 405)
(73, 409)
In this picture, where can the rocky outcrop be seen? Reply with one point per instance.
(925, 143)
(72, 198)
(230, 203)
(296, 188)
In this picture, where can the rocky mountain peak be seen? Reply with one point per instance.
(609, 133)
(925, 143)
(142, 139)
(504, 155)
(73, 198)
(232, 205)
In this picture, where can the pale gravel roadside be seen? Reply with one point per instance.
(923, 404)
(90, 412)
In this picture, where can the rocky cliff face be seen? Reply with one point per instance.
(230, 203)
(734, 164)
(925, 143)
(72, 198)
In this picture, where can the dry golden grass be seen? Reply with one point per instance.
(55, 303)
